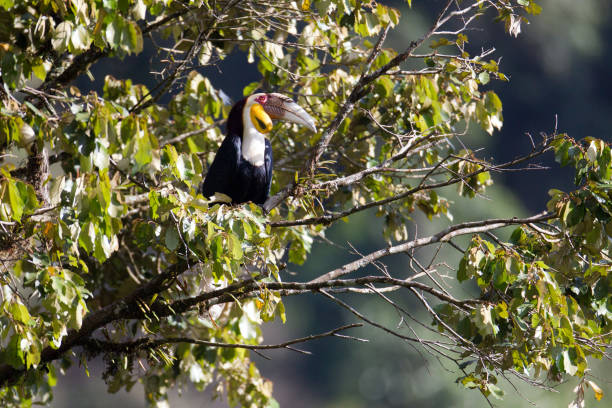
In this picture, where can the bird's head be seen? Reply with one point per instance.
(262, 108)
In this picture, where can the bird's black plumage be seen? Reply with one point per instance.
(231, 174)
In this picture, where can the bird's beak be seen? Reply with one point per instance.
(281, 107)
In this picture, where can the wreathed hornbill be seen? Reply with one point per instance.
(242, 167)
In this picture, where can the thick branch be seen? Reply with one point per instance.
(127, 308)
(251, 288)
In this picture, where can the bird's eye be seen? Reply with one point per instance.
(259, 124)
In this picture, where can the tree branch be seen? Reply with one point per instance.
(82, 61)
(114, 311)
(127, 308)
(331, 217)
(100, 346)
(359, 91)
(442, 236)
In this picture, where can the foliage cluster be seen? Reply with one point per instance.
(108, 249)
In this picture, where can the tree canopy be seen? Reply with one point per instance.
(107, 249)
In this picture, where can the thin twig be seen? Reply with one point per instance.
(150, 343)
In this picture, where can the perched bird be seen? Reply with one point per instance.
(242, 167)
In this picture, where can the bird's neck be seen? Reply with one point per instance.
(253, 142)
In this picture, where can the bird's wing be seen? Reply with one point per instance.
(268, 163)
(222, 171)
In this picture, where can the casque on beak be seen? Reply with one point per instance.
(281, 107)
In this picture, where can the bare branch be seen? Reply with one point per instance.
(146, 343)
(186, 135)
(331, 217)
(442, 236)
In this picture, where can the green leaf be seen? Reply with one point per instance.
(469, 381)
(500, 275)
(87, 237)
(154, 204)
(61, 36)
(484, 77)
(385, 86)
(143, 151)
(250, 88)
(274, 404)
(235, 247)
(40, 71)
(16, 201)
(565, 363)
(33, 355)
(51, 375)
(131, 38)
(440, 42)
(495, 391)
(280, 310)
(216, 247)
(462, 274)
(12, 354)
(80, 39)
(172, 238)
(533, 8)
(502, 310)
(492, 102)
(575, 216)
(113, 32)
(7, 4)
(483, 319)
(123, 5)
(20, 313)
(100, 157)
